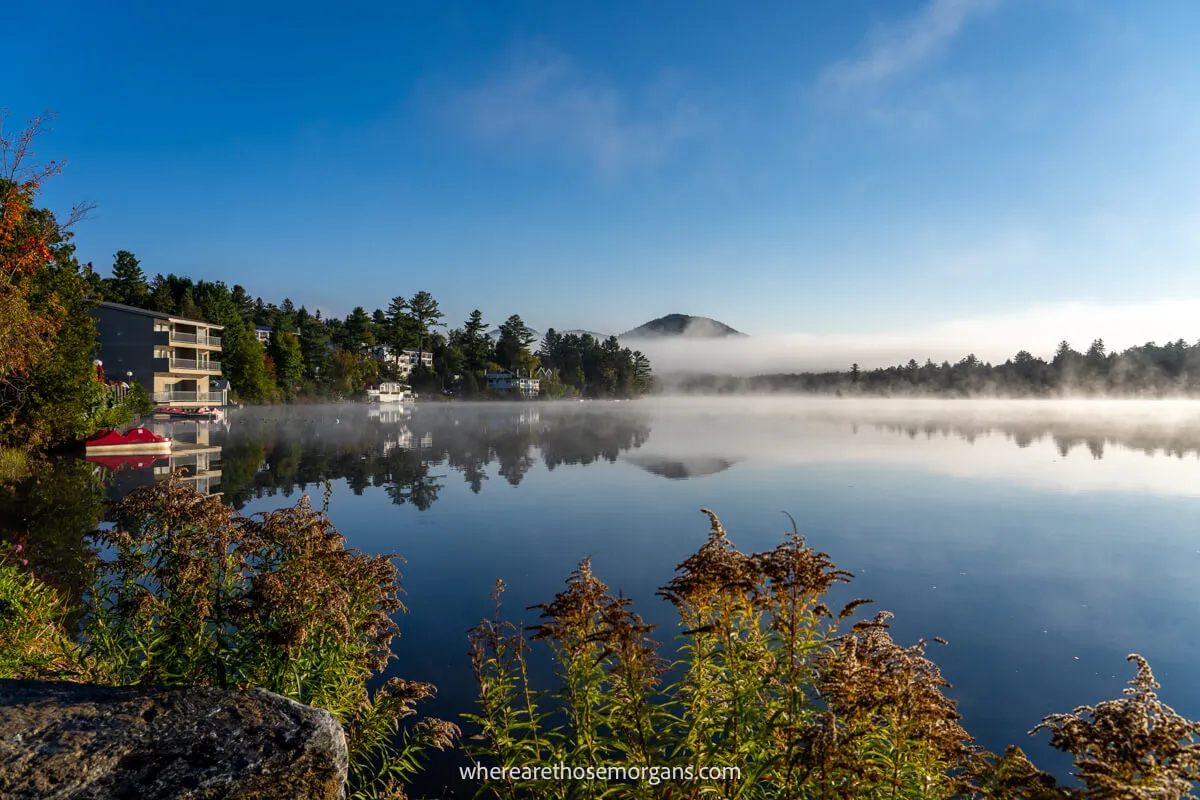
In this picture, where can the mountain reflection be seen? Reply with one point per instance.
(680, 469)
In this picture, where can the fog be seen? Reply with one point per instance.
(1064, 445)
(993, 338)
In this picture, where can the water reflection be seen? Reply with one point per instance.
(196, 457)
(412, 453)
(1090, 435)
(681, 469)
(1044, 540)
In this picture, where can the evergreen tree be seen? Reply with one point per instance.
(474, 343)
(512, 348)
(284, 349)
(426, 315)
(399, 331)
(242, 302)
(357, 332)
(643, 377)
(188, 309)
(128, 284)
(161, 298)
(314, 340)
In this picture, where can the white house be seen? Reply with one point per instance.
(507, 383)
(405, 360)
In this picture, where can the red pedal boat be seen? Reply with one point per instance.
(116, 463)
(138, 440)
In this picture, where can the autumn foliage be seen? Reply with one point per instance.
(41, 290)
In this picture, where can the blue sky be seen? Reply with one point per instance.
(827, 169)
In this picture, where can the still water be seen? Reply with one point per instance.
(1045, 541)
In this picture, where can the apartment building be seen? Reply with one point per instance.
(174, 358)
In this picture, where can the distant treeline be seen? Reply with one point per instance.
(1149, 370)
(308, 356)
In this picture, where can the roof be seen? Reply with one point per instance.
(133, 309)
(155, 314)
(262, 328)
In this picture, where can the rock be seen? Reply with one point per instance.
(62, 741)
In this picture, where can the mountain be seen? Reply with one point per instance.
(682, 325)
(495, 333)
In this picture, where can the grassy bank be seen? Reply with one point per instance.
(784, 696)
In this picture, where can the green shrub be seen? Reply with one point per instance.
(33, 641)
(195, 594)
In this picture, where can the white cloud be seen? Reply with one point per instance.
(897, 48)
(992, 338)
(544, 102)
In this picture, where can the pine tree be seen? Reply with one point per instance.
(474, 343)
(426, 315)
(128, 283)
(161, 297)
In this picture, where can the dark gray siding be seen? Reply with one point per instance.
(126, 342)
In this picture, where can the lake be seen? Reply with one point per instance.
(1044, 540)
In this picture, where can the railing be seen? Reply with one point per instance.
(189, 363)
(189, 397)
(196, 338)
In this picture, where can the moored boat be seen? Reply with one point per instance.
(189, 413)
(138, 440)
(133, 461)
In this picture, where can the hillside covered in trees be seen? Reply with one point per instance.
(308, 356)
(1149, 370)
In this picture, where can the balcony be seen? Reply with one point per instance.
(195, 339)
(181, 364)
(217, 398)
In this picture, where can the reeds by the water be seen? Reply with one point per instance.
(767, 680)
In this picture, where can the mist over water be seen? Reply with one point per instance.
(991, 337)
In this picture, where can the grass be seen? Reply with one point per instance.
(14, 465)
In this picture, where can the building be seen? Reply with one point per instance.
(174, 358)
(404, 361)
(507, 383)
(263, 334)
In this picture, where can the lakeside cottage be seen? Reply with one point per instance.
(174, 358)
(507, 383)
(404, 361)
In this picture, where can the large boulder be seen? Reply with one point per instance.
(61, 741)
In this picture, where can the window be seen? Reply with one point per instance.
(161, 327)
